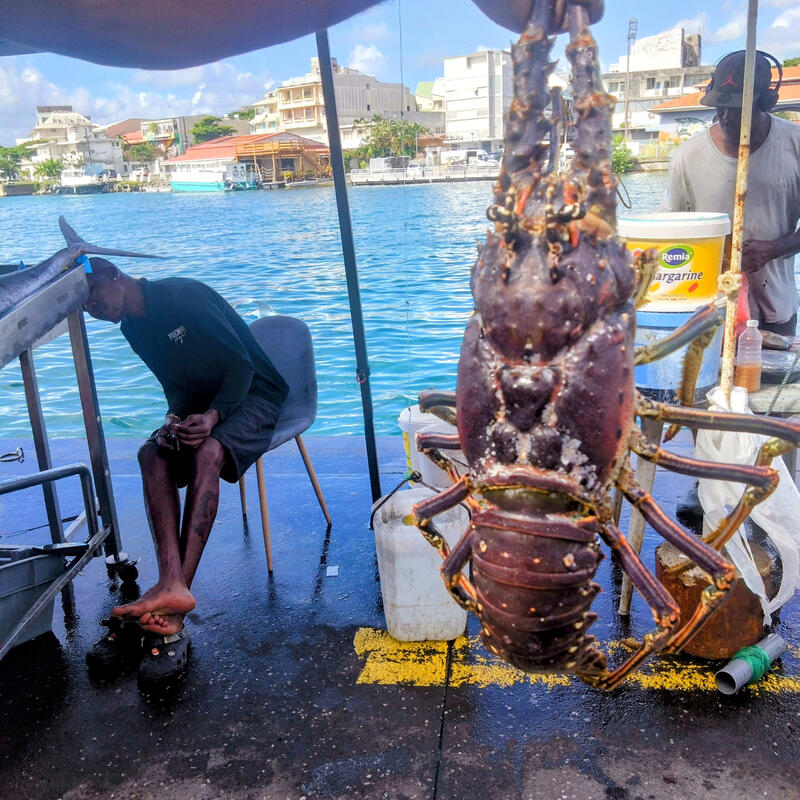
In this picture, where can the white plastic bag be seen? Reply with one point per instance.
(778, 515)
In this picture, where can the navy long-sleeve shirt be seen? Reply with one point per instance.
(199, 348)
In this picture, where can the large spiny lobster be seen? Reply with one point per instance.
(545, 403)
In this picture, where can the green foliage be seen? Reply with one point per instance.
(210, 128)
(9, 160)
(141, 151)
(622, 159)
(244, 113)
(792, 62)
(49, 169)
(387, 137)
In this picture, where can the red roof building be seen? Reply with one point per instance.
(684, 116)
(272, 155)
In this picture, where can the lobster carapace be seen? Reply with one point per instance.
(545, 403)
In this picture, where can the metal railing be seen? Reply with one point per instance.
(426, 174)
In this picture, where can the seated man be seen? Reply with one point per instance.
(224, 397)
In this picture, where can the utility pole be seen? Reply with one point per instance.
(632, 26)
(88, 152)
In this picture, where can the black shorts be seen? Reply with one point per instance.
(787, 328)
(245, 434)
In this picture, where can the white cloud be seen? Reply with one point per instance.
(214, 88)
(780, 38)
(780, 3)
(165, 79)
(367, 58)
(735, 28)
(374, 32)
(692, 25)
(788, 19)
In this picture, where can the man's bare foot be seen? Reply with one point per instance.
(160, 603)
(163, 624)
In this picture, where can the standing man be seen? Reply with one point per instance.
(703, 178)
(223, 400)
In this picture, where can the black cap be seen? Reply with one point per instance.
(727, 82)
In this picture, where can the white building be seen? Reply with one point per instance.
(65, 135)
(478, 91)
(662, 66)
(298, 105)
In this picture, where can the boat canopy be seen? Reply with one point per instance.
(143, 33)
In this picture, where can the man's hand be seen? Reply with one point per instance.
(196, 428)
(166, 433)
(756, 253)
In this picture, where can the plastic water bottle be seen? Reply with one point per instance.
(748, 358)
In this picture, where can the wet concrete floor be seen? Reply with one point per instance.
(295, 691)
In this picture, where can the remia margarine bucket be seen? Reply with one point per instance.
(689, 246)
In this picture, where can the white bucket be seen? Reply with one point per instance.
(432, 474)
(411, 421)
(416, 603)
(689, 246)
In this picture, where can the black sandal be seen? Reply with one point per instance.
(121, 646)
(165, 657)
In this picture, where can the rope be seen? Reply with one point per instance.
(409, 476)
(783, 383)
(416, 477)
(629, 202)
(756, 658)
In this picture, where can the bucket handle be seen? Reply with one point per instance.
(409, 476)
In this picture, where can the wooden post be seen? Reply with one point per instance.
(729, 341)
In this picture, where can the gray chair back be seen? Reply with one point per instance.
(287, 343)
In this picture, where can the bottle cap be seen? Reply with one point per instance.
(752, 323)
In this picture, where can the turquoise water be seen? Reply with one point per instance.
(274, 251)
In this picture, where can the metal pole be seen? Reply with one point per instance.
(632, 27)
(348, 251)
(729, 340)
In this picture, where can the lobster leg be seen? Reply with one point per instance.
(753, 495)
(760, 475)
(645, 264)
(665, 609)
(709, 560)
(454, 560)
(442, 404)
(692, 362)
(462, 591)
(428, 444)
(786, 429)
(705, 319)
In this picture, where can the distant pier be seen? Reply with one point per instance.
(449, 174)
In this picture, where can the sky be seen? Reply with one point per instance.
(396, 41)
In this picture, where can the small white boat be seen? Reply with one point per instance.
(219, 178)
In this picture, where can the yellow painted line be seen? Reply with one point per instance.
(390, 662)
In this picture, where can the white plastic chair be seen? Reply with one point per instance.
(287, 343)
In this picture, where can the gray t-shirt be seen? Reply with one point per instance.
(704, 179)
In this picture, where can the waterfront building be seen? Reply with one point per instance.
(66, 135)
(430, 95)
(298, 106)
(682, 117)
(247, 161)
(666, 65)
(478, 91)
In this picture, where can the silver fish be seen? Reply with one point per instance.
(16, 286)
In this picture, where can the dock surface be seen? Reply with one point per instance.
(295, 691)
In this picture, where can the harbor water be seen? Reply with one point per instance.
(278, 252)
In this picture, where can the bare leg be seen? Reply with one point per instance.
(162, 608)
